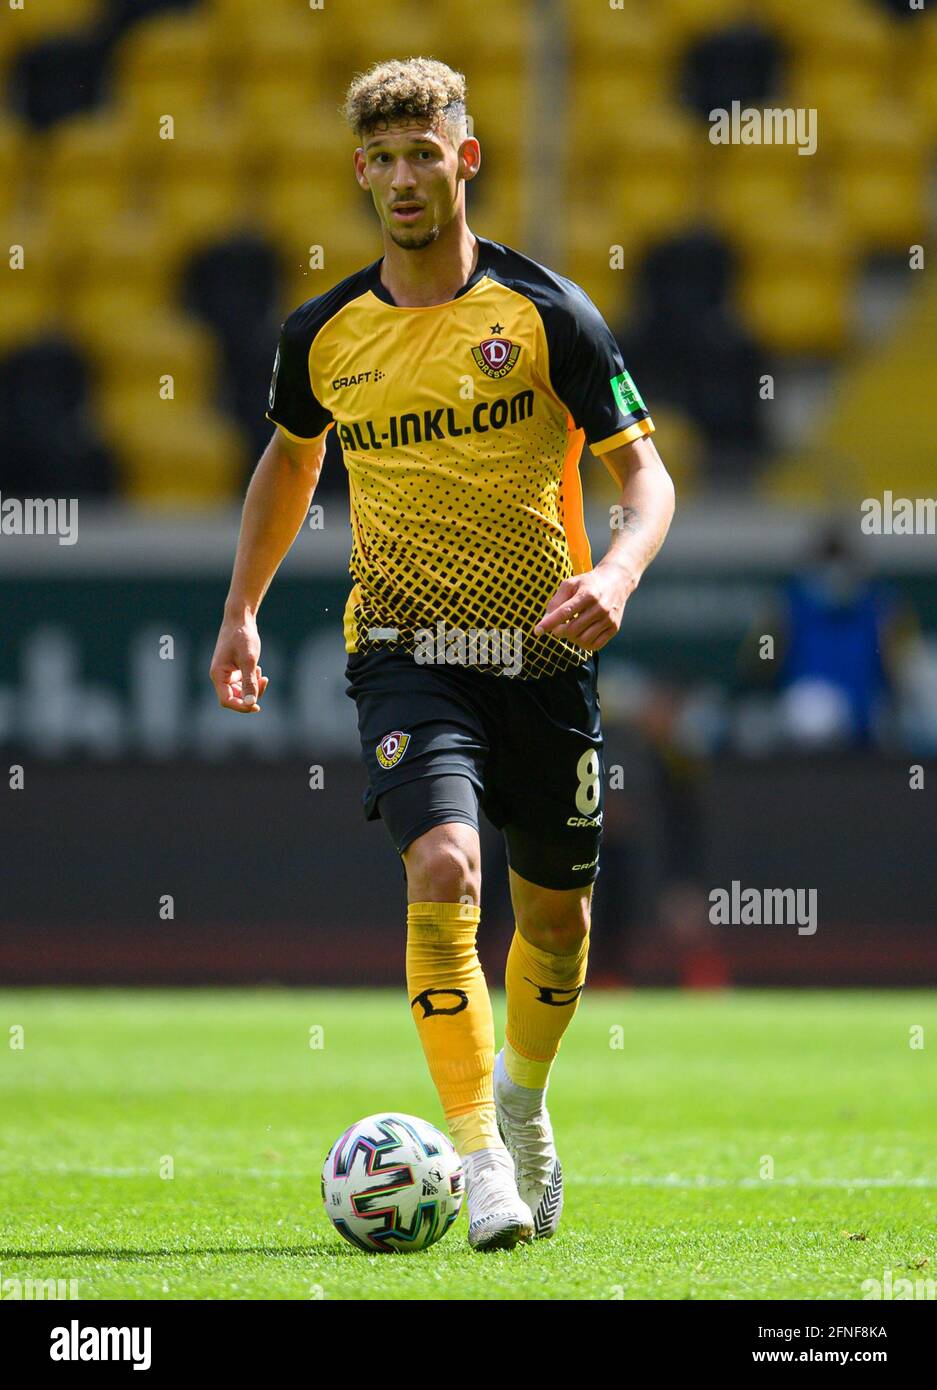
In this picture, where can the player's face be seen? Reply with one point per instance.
(414, 175)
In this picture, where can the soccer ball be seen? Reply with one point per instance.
(392, 1183)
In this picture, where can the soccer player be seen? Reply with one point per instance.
(462, 379)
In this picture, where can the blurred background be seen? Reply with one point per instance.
(174, 179)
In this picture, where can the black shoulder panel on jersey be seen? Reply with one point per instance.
(584, 357)
(292, 402)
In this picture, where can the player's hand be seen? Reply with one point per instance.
(235, 667)
(587, 609)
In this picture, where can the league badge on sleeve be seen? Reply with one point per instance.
(627, 394)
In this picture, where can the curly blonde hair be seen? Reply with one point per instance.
(418, 89)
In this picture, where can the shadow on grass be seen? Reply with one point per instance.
(106, 1252)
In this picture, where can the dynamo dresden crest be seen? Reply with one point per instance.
(496, 356)
(392, 748)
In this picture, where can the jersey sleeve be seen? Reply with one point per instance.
(292, 404)
(589, 376)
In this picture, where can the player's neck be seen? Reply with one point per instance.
(435, 273)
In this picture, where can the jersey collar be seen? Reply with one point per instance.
(380, 290)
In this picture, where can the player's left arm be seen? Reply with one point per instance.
(587, 608)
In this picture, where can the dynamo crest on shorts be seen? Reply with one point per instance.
(496, 356)
(392, 748)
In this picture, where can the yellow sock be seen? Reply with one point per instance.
(450, 1003)
(543, 991)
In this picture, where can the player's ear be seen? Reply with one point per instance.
(359, 164)
(470, 157)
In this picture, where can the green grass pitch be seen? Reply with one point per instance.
(669, 1111)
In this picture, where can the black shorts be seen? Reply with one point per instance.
(529, 751)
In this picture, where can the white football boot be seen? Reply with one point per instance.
(528, 1138)
(498, 1218)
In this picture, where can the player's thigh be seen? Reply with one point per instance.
(549, 781)
(412, 725)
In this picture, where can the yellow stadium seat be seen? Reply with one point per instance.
(920, 61)
(181, 45)
(313, 146)
(797, 277)
(140, 357)
(201, 210)
(651, 177)
(617, 46)
(153, 103)
(168, 65)
(497, 204)
(902, 376)
(688, 19)
(845, 452)
(885, 206)
(122, 273)
(878, 168)
(125, 302)
(500, 110)
(845, 458)
(656, 139)
(366, 34)
(754, 184)
(298, 219)
(835, 93)
(601, 113)
(194, 184)
(609, 289)
(84, 170)
(170, 456)
(455, 33)
(133, 251)
(34, 23)
(251, 38)
(656, 185)
(849, 33)
(272, 107)
(15, 148)
(30, 307)
(600, 255)
(502, 41)
(804, 310)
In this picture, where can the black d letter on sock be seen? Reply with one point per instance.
(429, 1008)
(546, 995)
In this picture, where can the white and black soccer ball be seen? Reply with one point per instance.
(392, 1183)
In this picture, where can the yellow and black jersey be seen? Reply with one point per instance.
(462, 426)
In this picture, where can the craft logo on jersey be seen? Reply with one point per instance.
(392, 748)
(496, 356)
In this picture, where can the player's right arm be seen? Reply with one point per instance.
(276, 504)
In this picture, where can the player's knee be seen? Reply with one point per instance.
(443, 867)
(556, 922)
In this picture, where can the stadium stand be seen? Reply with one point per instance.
(714, 264)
